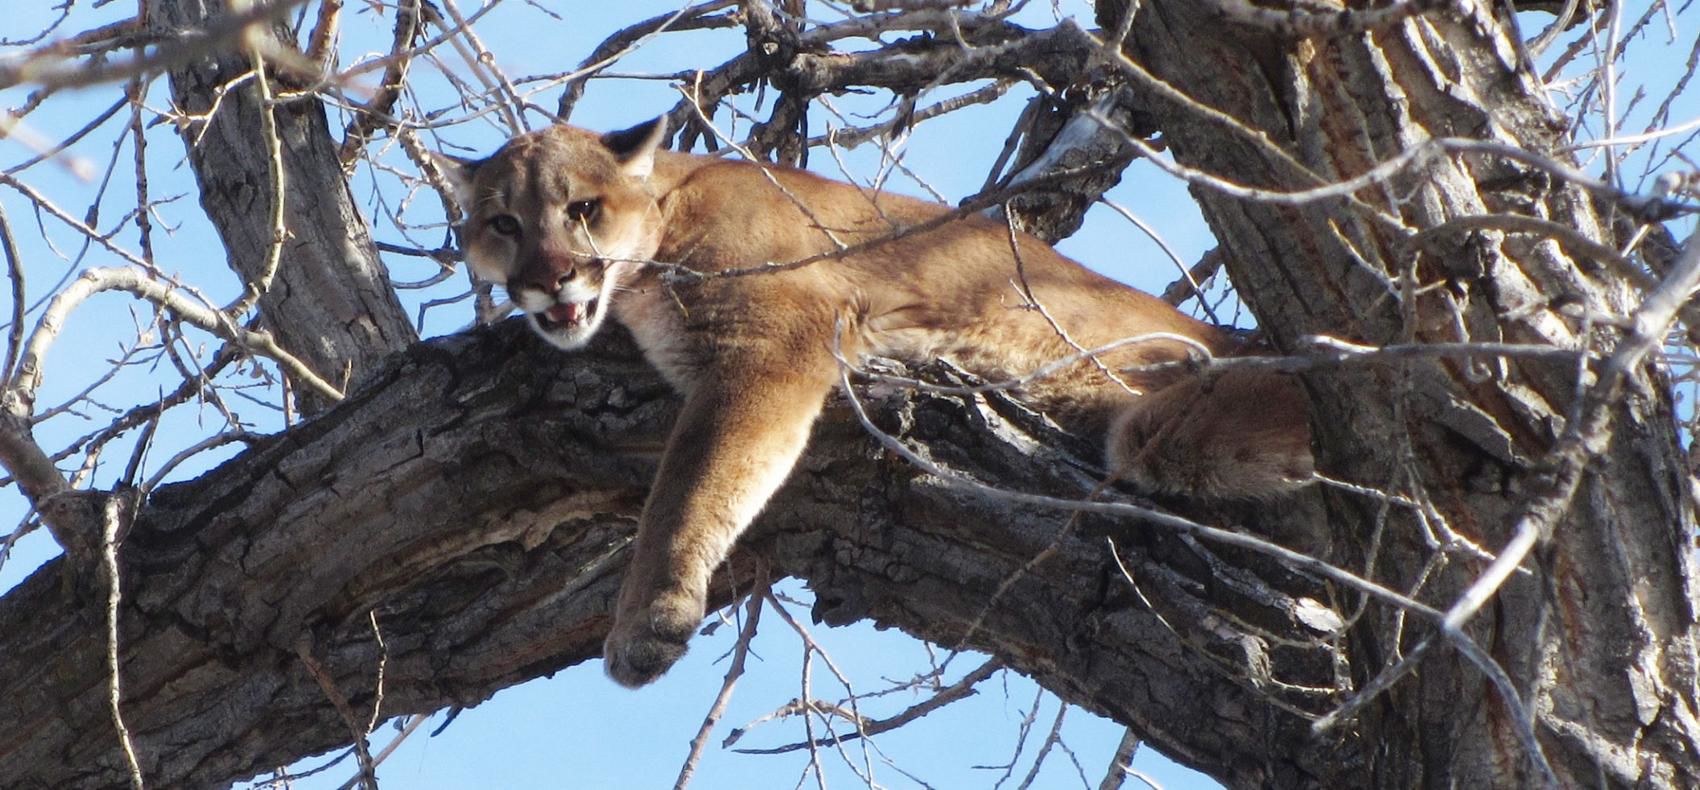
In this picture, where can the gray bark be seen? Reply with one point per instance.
(331, 304)
(480, 497)
(1601, 634)
(1070, 138)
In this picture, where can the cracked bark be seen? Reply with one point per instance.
(331, 304)
(1602, 634)
(488, 531)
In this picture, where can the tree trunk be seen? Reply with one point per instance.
(1600, 635)
(330, 304)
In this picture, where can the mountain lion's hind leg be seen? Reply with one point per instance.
(1240, 435)
(734, 444)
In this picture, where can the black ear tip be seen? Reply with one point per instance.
(627, 142)
(452, 162)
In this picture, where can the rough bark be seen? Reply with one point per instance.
(1601, 632)
(479, 498)
(331, 304)
(1069, 134)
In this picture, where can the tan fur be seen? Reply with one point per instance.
(753, 354)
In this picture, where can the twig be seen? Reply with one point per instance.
(483, 65)
(811, 647)
(368, 769)
(627, 40)
(383, 660)
(1013, 236)
(192, 385)
(76, 224)
(74, 164)
(695, 98)
(752, 616)
(1052, 738)
(1027, 721)
(15, 268)
(276, 179)
(97, 280)
(134, 93)
(1121, 763)
(807, 697)
(1188, 285)
(852, 137)
(375, 113)
(961, 689)
(117, 508)
(413, 724)
(193, 450)
(45, 67)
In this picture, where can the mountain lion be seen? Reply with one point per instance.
(580, 226)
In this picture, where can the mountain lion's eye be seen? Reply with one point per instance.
(504, 224)
(581, 210)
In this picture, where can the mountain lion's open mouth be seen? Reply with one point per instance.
(568, 315)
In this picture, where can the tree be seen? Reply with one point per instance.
(1488, 308)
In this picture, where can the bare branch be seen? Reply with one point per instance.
(171, 297)
(734, 670)
(119, 509)
(961, 689)
(375, 112)
(368, 771)
(47, 67)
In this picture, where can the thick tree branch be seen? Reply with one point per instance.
(480, 496)
(330, 303)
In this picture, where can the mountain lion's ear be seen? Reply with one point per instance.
(636, 147)
(459, 173)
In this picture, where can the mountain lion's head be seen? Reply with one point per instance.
(560, 217)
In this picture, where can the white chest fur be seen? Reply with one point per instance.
(656, 321)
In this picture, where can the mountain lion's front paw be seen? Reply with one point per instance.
(646, 643)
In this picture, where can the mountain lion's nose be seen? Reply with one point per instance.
(548, 279)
